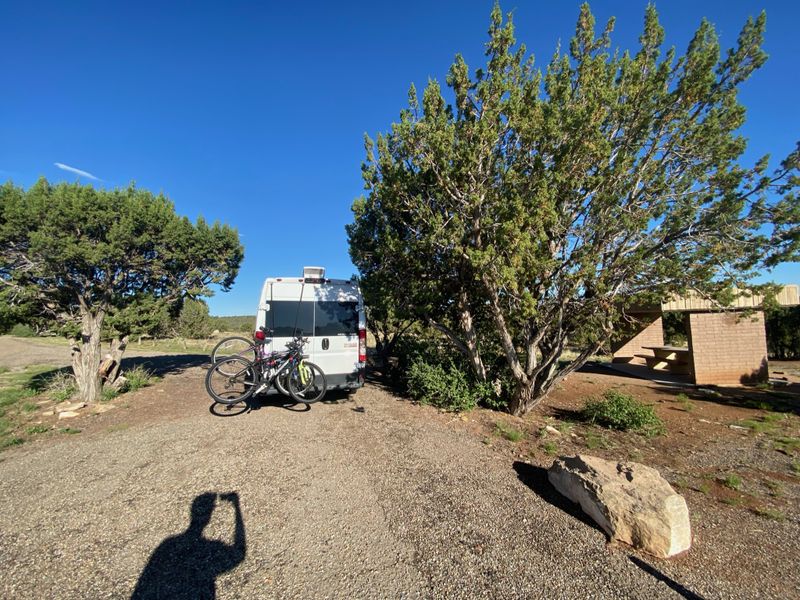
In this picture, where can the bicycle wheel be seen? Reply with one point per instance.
(281, 383)
(231, 380)
(307, 383)
(234, 346)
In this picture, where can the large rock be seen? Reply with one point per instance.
(632, 503)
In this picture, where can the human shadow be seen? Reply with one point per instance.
(186, 565)
(536, 479)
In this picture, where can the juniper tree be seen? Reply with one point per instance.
(85, 255)
(541, 205)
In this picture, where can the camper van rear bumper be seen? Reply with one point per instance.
(345, 381)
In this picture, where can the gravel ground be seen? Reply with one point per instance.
(367, 497)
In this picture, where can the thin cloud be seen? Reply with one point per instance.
(64, 167)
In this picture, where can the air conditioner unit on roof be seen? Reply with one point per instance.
(314, 273)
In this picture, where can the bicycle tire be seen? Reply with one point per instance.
(233, 346)
(280, 384)
(225, 388)
(311, 390)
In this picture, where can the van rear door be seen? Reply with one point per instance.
(288, 314)
(335, 339)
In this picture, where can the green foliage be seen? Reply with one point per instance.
(770, 513)
(534, 210)
(109, 393)
(445, 387)
(137, 377)
(22, 330)
(433, 374)
(242, 323)
(732, 481)
(194, 321)
(616, 410)
(34, 429)
(512, 434)
(783, 332)
(11, 441)
(550, 448)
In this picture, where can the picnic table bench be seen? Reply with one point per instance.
(674, 359)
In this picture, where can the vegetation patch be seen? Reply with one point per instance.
(443, 385)
(732, 481)
(512, 434)
(137, 378)
(620, 411)
(34, 429)
(770, 513)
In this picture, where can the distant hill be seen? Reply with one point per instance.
(244, 323)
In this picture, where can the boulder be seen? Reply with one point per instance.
(631, 502)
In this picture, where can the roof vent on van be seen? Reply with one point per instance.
(314, 274)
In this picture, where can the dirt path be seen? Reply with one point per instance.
(20, 352)
(367, 497)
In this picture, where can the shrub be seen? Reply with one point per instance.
(22, 330)
(443, 387)
(617, 410)
(61, 386)
(137, 377)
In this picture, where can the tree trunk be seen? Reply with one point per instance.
(470, 337)
(118, 346)
(86, 357)
(522, 399)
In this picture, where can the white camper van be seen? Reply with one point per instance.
(330, 312)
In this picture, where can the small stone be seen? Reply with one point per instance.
(101, 408)
(738, 427)
(704, 420)
(67, 414)
(70, 406)
(40, 402)
(48, 413)
(551, 429)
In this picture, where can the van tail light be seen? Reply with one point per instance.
(260, 335)
(362, 345)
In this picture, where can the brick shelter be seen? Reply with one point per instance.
(725, 346)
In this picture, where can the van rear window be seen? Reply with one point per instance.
(336, 318)
(283, 314)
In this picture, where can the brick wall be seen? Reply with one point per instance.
(728, 348)
(649, 332)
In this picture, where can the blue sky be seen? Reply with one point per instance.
(254, 113)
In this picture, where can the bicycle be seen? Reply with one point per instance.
(235, 379)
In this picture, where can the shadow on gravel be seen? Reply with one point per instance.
(671, 583)
(274, 401)
(187, 565)
(536, 479)
(167, 364)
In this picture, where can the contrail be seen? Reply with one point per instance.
(64, 167)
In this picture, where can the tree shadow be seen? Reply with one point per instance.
(166, 364)
(778, 398)
(536, 479)
(187, 565)
(669, 582)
